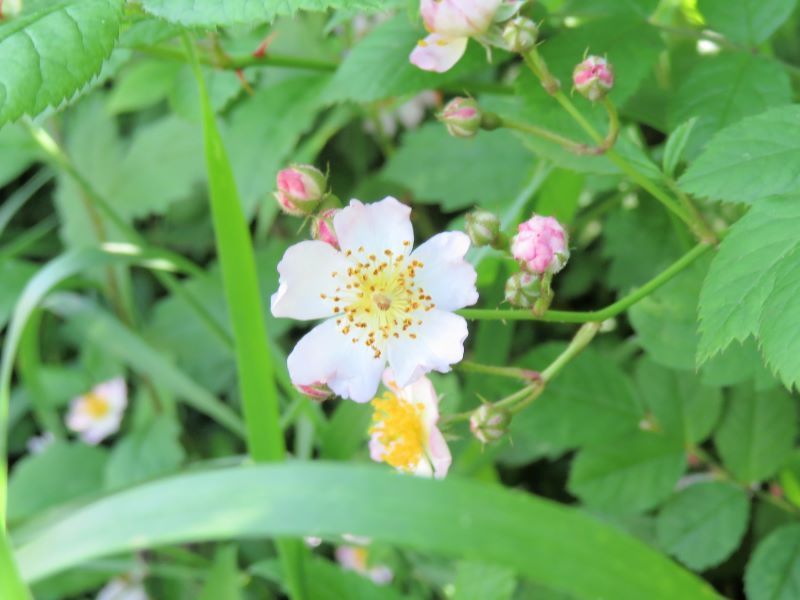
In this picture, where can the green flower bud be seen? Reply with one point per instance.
(523, 289)
(483, 228)
(520, 34)
(489, 423)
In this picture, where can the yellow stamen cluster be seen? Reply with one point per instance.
(378, 298)
(399, 427)
(95, 405)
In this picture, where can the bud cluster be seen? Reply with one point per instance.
(303, 192)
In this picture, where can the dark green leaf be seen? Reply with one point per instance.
(773, 572)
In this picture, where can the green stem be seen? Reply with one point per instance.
(257, 385)
(244, 61)
(612, 310)
(510, 372)
(551, 136)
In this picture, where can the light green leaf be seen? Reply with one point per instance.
(590, 402)
(478, 581)
(432, 164)
(747, 22)
(378, 66)
(749, 285)
(223, 578)
(704, 523)
(539, 539)
(14, 274)
(629, 474)
(596, 8)
(724, 89)
(17, 152)
(750, 160)
(209, 13)
(142, 85)
(56, 50)
(773, 572)
(265, 128)
(676, 146)
(63, 472)
(145, 453)
(757, 433)
(682, 406)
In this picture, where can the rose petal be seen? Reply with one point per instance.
(439, 344)
(446, 276)
(306, 273)
(376, 227)
(115, 392)
(326, 355)
(437, 53)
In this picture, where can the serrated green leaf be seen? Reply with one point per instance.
(724, 89)
(145, 453)
(773, 572)
(750, 160)
(142, 85)
(63, 472)
(432, 164)
(754, 263)
(210, 13)
(56, 50)
(378, 66)
(682, 406)
(538, 539)
(757, 433)
(590, 402)
(704, 523)
(629, 474)
(746, 21)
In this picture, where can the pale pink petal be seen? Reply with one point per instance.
(308, 271)
(439, 344)
(376, 227)
(326, 355)
(439, 453)
(446, 276)
(438, 54)
(100, 430)
(458, 18)
(376, 448)
(113, 391)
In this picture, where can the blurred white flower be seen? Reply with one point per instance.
(356, 558)
(123, 588)
(98, 413)
(409, 114)
(39, 443)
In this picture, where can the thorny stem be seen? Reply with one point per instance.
(612, 310)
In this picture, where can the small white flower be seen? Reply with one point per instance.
(409, 114)
(356, 558)
(383, 303)
(123, 588)
(404, 432)
(39, 443)
(98, 413)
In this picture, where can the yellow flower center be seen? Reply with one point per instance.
(398, 426)
(378, 298)
(95, 405)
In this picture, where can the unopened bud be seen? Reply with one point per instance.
(523, 289)
(593, 78)
(322, 227)
(489, 423)
(482, 227)
(316, 391)
(301, 188)
(541, 246)
(462, 117)
(520, 34)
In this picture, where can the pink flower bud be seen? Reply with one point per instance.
(322, 227)
(541, 246)
(458, 18)
(593, 78)
(300, 189)
(462, 117)
(316, 391)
